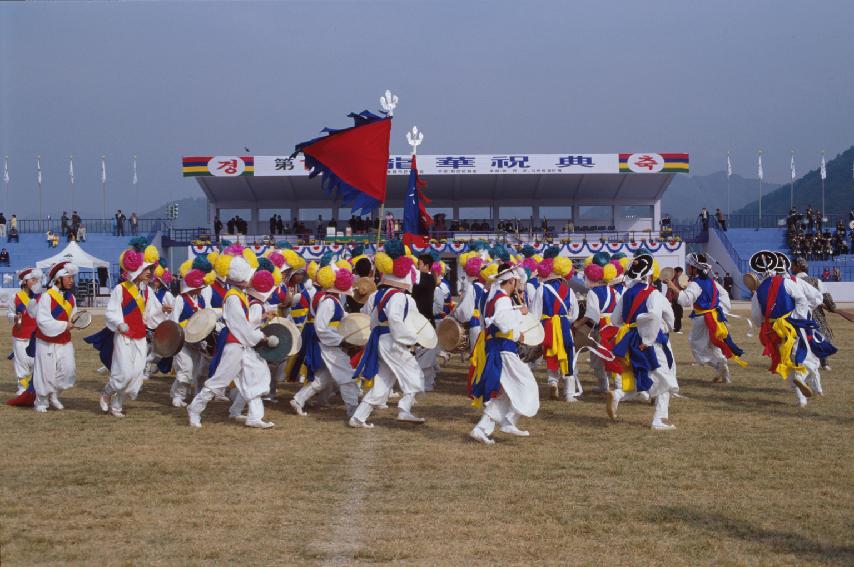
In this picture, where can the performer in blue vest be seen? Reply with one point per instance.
(387, 357)
(327, 363)
(710, 338)
(644, 318)
(505, 386)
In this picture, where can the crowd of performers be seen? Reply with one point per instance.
(619, 312)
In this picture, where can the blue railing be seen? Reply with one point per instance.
(93, 226)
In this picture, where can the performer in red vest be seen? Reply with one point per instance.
(21, 315)
(54, 368)
(128, 314)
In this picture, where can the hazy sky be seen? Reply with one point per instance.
(166, 79)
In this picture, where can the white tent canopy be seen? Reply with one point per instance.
(76, 255)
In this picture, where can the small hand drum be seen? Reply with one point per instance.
(532, 330)
(451, 334)
(355, 328)
(277, 354)
(422, 327)
(167, 340)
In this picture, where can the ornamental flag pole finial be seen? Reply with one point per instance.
(414, 139)
(388, 102)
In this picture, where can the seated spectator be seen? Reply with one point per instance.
(569, 226)
(4, 257)
(13, 235)
(837, 275)
(49, 239)
(825, 275)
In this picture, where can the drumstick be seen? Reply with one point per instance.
(847, 315)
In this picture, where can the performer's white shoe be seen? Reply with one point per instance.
(260, 424)
(116, 413)
(104, 402)
(406, 416)
(613, 402)
(513, 430)
(55, 403)
(39, 409)
(358, 423)
(298, 408)
(178, 403)
(661, 426)
(195, 418)
(237, 417)
(480, 435)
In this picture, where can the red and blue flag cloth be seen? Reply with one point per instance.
(416, 220)
(353, 161)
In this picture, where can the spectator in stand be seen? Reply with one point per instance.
(81, 232)
(280, 225)
(120, 223)
(721, 220)
(825, 274)
(13, 223)
(63, 223)
(13, 235)
(70, 235)
(837, 275)
(75, 219)
(52, 239)
(2, 225)
(217, 227)
(134, 223)
(4, 257)
(272, 225)
(704, 218)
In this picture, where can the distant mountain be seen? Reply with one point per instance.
(192, 212)
(687, 194)
(838, 192)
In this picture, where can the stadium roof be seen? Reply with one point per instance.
(458, 180)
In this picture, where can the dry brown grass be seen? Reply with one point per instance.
(746, 479)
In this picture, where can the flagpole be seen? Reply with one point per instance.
(104, 185)
(728, 174)
(388, 102)
(71, 173)
(823, 212)
(136, 186)
(760, 188)
(39, 179)
(792, 184)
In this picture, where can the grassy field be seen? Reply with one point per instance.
(746, 479)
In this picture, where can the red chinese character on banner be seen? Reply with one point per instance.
(228, 166)
(646, 161)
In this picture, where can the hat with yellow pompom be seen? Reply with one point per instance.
(140, 256)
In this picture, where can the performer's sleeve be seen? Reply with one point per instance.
(177, 308)
(617, 315)
(368, 306)
(688, 296)
(573, 306)
(438, 299)
(591, 307)
(207, 294)
(537, 307)
(797, 292)
(724, 298)
(44, 318)
(395, 309)
(256, 313)
(756, 314)
(326, 333)
(12, 311)
(506, 318)
(169, 299)
(114, 314)
(530, 294)
(813, 295)
(465, 309)
(244, 331)
(152, 306)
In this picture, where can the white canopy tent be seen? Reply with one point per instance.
(83, 260)
(76, 255)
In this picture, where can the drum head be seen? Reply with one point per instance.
(280, 352)
(355, 328)
(750, 281)
(296, 336)
(200, 325)
(168, 339)
(682, 280)
(450, 333)
(532, 329)
(82, 320)
(424, 330)
(666, 274)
